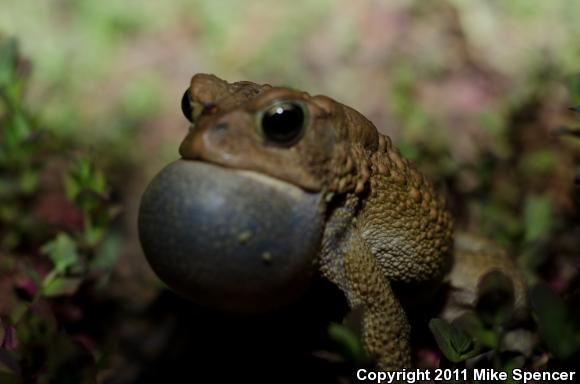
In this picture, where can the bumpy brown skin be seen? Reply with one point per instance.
(385, 221)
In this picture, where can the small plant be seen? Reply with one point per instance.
(482, 330)
(488, 337)
(55, 216)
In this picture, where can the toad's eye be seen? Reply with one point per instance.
(283, 123)
(186, 106)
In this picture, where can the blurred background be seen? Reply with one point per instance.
(476, 93)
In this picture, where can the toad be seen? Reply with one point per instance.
(380, 222)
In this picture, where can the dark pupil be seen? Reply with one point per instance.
(186, 105)
(283, 123)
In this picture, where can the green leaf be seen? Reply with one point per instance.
(93, 233)
(539, 162)
(455, 344)
(537, 217)
(85, 185)
(62, 251)
(71, 187)
(349, 342)
(471, 324)
(107, 253)
(555, 322)
(61, 286)
(98, 183)
(21, 126)
(511, 363)
(8, 61)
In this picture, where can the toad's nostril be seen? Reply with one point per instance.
(222, 127)
(210, 109)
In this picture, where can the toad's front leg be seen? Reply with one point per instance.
(385, 326)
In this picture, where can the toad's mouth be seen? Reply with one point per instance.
(230, 239)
